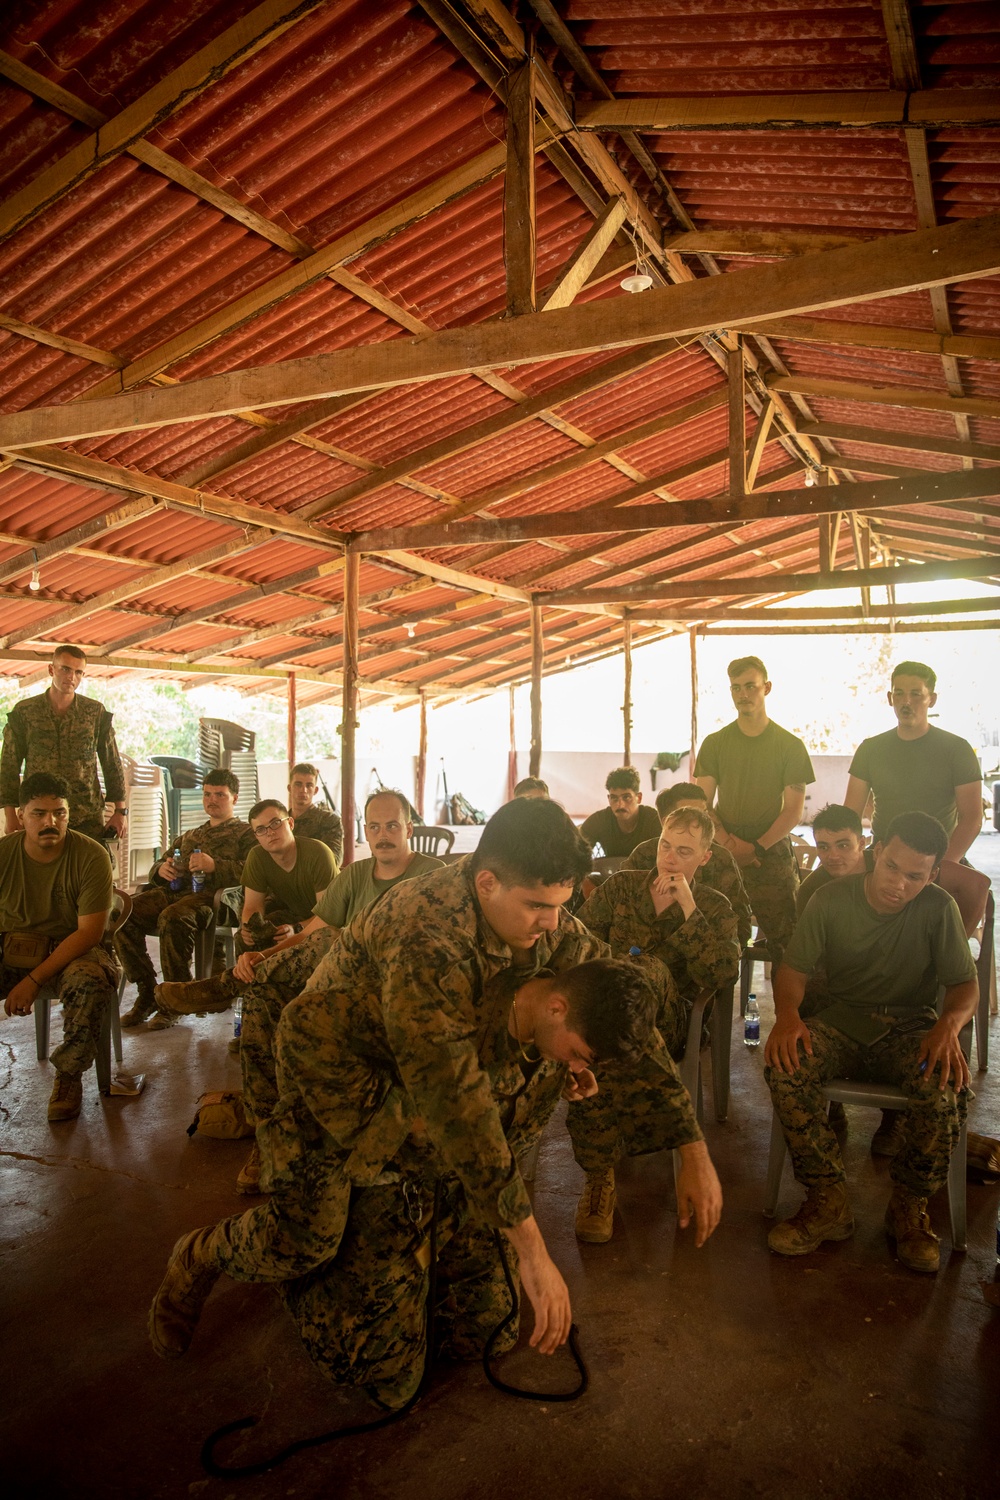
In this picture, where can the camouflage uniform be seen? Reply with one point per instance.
(322, 823)
(68, 745)
(276, 981)
(722, 873)
(178, 915)
(631, 1114)
(771, 885)
(396, 1070)
(85, 988)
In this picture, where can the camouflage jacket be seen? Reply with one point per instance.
(722, 873)
(400, 1050)
(702, 953)
(228, 844)
(321, 823)
(68, 745)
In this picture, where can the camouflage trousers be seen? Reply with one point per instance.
(930, 1122)
(276, 981)
(176, 919)
(770, 887)
(359, 1298)
(86, 987)
(638, 1109)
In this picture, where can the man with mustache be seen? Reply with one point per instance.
(55, 895)
(268, 979)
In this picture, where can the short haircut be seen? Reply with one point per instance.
(746, 664)
(916, 669)
(389, 791)
(531, 784)
(834, 817)
(70, 651)
(612, 1006)
(304, 769)
(692, 817)
(681, 791)
(532, 841)
(42, 784)
(919, 832)
(221, 777)
(262, 806)
(624, 779)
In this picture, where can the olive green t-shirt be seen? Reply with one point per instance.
(356, 887)
(294, 890)
(870, 960)
(915, 775)
(51, 898)
(751, 772)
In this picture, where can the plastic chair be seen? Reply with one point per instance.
(720, 1025)
(225, 925)
(987, 975)
(111, 1031)
(878, 1096)
(755, 952)
(428, 840)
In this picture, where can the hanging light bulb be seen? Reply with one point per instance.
(410, 631)
(810, 479)
(638, 281)
(35, 583)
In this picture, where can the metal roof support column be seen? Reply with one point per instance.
(693, 641)
(627, 703)
(349, 701)
(519, 191)
(421, 786)
(291, 723)
(537, 664)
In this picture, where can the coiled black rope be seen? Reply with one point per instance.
(301, 1445)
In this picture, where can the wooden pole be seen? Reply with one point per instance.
(349, 701)
(737, 424)
(537, 664)
(422, 756)
(291, 723)
(519, 192)
(693, 642)
(512, 777)
(627, 704)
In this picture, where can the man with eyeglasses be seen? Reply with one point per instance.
(63, 732)
(283, 878)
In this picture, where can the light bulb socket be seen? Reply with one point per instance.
(35, 582)
(639, 281)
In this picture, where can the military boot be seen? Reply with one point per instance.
(825, 1215)
(183, 1291)
(200, 996)
(248, 1180)
(907, 1224)
(144, 1007)
(887, 1138)
(66, 1098)
(596, 1209)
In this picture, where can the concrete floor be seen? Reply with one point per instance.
(725, 1371)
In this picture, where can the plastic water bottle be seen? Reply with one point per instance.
(197, 876)
(178, 880)
(635, 951)
(238, 1017)
(751, 1024)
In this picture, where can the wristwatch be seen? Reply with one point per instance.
(759, 849)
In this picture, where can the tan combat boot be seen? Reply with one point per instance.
(907, 1224)
(888, 1137)
(66, 1098)
(183, 1291)
(825, 1215)
(249, 1179)
(143, 1008)
(199, 996)
(596, 1210)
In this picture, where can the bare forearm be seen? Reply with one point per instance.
(792, 807)
(960, 1002)
(966, 832)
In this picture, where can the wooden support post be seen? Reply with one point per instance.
(512, 777)
(737, 424)
(519, 192)
(862, 538)
(292, 705)
(349, 701)
(421, 785)
(627, 702)
(537, 664)
(693, 639)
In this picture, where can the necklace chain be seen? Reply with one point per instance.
(517, 1028)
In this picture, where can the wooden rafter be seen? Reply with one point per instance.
(931, 109)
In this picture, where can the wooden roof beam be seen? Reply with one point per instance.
(863, 109)
(886, 395)
(887, 437)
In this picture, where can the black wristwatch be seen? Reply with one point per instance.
(759, 849)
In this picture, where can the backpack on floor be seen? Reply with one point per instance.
(221, 1116)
